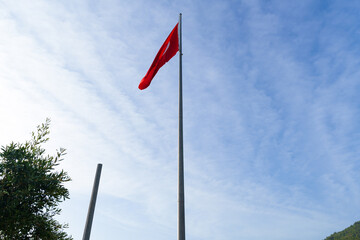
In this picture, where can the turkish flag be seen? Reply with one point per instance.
(166, 52)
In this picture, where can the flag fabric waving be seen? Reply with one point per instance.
(169, 49)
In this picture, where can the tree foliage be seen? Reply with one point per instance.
(31, 190)
(350, 233)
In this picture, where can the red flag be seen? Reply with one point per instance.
(166, 52)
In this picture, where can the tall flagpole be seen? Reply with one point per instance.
(181, 216)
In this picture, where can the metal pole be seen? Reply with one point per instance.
(181, 220)
(91, 210)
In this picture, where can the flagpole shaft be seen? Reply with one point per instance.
(90, 216)
(181, 209)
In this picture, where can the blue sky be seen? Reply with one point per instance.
(271, 109)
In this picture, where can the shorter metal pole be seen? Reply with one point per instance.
(91, 210)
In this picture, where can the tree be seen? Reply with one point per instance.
(31, 190)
